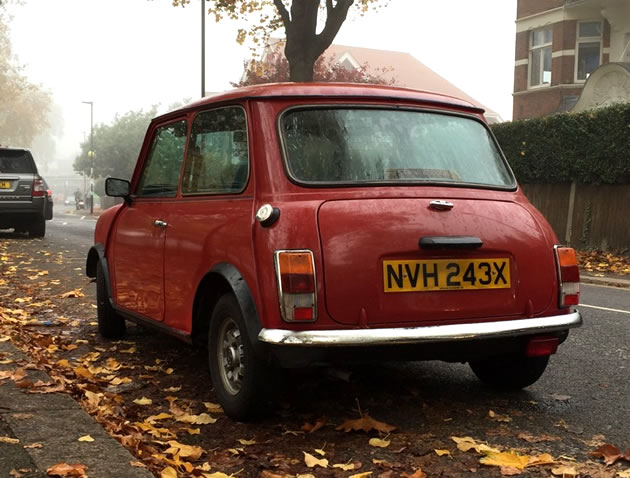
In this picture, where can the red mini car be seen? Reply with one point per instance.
(295, 224)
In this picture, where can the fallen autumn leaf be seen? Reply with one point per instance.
(9, 440)
(608, 452)
(467, 443)
(377, 442)
(65, 469)
(312, 462)
(72, 293)
(366, 423)
(564, 471)
(143, 401)
(505, 459)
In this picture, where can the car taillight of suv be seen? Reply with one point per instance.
(38, 188)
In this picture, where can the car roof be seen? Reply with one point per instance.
(328, 90)
(14, 148)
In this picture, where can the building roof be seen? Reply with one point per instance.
(403, 68)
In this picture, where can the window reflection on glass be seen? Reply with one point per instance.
(588, 49)
(362, 146)
(540, 58)
(590, 29)
(588, 59)
(535, 68)
(160, 176)
(14, 161)
(217, 158)
(547, 59)
(541, 37)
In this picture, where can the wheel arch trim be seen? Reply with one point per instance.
(96, 254)
(241, 290)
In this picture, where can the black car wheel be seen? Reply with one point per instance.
(110, 324)
(38, 227)
(510, 373)
(238, 375)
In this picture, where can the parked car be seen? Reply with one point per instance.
(297, 224)
(48, 214)
(24, 201)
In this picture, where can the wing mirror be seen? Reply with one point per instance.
(118, 188)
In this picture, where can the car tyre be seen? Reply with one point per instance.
(110, 324)
(240, 377)
(509, 373)
(38, 227)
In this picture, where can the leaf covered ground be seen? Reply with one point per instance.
(153, 394)
(600, 262)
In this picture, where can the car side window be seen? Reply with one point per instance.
(160, 176)
(217, 161)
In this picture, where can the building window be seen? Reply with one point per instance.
(588, 49)
(540, 57)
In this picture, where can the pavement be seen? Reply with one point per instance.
(610, 280)
(48, 427)
(53, 423)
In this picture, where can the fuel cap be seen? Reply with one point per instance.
(267, 215)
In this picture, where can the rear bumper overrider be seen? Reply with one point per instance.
(418, 335)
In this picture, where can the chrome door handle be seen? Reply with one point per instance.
(441, 205)
(160, 223)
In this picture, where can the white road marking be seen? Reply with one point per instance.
(605, 286)
(605, 308)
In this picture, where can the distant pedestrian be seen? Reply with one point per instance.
(77, 199)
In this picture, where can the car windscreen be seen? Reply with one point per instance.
(16, 161)
(355, 145)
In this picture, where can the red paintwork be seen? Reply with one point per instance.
(389, 229)
(155, 272)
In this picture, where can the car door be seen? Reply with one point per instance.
(138, 242)
(212, 222)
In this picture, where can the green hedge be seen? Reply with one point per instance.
(590, 148)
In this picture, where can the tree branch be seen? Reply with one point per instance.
(335, 17)
(283, 12)
(329, 7)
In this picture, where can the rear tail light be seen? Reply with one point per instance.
(295, 271)
(568, 276)
(38, 188)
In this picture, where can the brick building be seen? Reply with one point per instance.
(571, 55)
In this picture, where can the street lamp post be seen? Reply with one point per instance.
(91, 154)
(203, 48)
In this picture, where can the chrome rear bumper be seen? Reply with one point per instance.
(418, 335)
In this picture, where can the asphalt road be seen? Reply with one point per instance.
(584, 393)
(73, 227)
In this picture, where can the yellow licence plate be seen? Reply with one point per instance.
(5, 184)
(446, 274)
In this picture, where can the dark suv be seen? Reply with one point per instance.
(23, 195)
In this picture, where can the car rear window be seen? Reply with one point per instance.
(374, 146)
(16, 161)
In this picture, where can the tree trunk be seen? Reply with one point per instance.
(301, 33)
(304, 46)
(300, 69)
